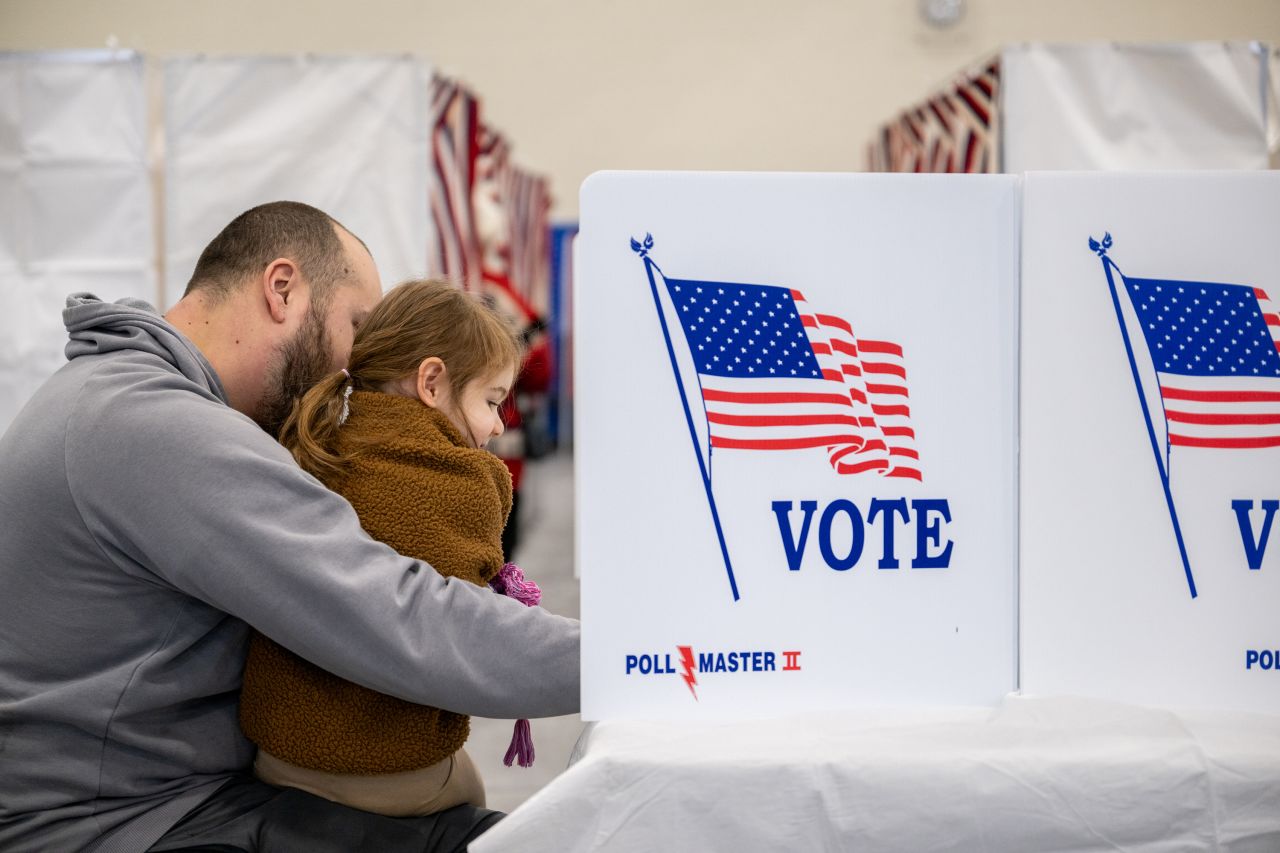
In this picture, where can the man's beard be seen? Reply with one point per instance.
(296, 366)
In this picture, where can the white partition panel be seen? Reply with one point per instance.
(75, 202)
(1150, 549)
(348, 135)
(1108, 106)
(795, 441)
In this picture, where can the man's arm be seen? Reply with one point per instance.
(183, 490)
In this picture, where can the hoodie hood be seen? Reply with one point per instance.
(97, 327)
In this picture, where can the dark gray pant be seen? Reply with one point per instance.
(254, 817)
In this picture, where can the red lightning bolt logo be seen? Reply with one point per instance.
(686, 661)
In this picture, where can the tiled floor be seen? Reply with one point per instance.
(545, 553)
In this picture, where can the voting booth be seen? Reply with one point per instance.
(732, 538)
(795, 442)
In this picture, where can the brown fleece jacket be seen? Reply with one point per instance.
(417, 486)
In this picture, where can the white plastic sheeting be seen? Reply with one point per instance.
(1033, 774)
(1136, 107)
(348, 135)
(75, 202)
(1273, 110)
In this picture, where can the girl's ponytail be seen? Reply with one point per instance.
(311, 431)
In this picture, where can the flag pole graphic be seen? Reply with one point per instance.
(1100, 248)
(642, 249)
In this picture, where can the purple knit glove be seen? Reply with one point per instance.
(511, 582)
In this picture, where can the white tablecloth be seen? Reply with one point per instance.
(1044, 774)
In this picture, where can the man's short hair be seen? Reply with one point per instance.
(278, 229)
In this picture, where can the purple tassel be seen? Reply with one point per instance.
(510, 582)
(521, 745)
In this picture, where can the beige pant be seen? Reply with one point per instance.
(414, 793)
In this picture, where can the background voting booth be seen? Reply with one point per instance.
(114, 170)
(1149, 709)
(1094, 105)
(74, 174)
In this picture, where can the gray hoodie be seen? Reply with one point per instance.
(144, 527)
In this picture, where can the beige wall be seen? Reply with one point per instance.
(581, 85)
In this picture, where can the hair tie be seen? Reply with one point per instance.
(346, 397)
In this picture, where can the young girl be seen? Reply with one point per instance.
(401, 434)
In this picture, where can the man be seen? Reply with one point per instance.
(149, 519)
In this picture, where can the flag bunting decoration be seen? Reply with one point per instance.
(454, 142)
(956, 130)
(491, 217)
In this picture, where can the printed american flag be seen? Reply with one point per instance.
(1216, 351)
(775, 374)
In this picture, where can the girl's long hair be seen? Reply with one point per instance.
(414, 321)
